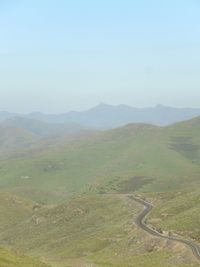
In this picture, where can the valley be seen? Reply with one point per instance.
(64, 200)
(99, 133)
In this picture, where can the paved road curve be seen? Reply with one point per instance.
(140, 221)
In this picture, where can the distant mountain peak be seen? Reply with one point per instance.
(101, 106)
(160, 106)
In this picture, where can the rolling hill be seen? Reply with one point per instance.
(43, 129)
(19, 134)
(93, 230)
(79, 188)
(167, 155)
(12, 138)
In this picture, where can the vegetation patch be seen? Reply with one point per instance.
(184, 146)
(133, 184)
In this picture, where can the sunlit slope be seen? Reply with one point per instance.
(179, 212)
(96, 225)
(169, 156)
(13, 259)
(95, 230)
(185, 139)
(13, 210)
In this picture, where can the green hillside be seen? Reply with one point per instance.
(12, 138)
(166, 155)
(179, 213)
(71, 204)
(13, 210)
(12, 259)
(94, 230)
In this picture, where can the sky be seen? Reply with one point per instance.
(62, 55)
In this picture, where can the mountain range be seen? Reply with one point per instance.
(105, 116)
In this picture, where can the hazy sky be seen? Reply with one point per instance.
(61, 55)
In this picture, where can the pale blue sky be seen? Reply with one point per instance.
(61, 55)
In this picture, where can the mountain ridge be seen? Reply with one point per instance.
(104, 116)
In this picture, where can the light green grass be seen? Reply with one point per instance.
(179, 214)
(95, 230)
(71, 167)
(13, 259)
(13, 210)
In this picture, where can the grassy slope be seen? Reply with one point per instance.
(179, 214)
(12, 259)
(74, 166)
(12, 138)
(97, 228)
(13, 210)
(178, 211)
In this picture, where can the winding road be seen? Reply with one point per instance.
(140, 221)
